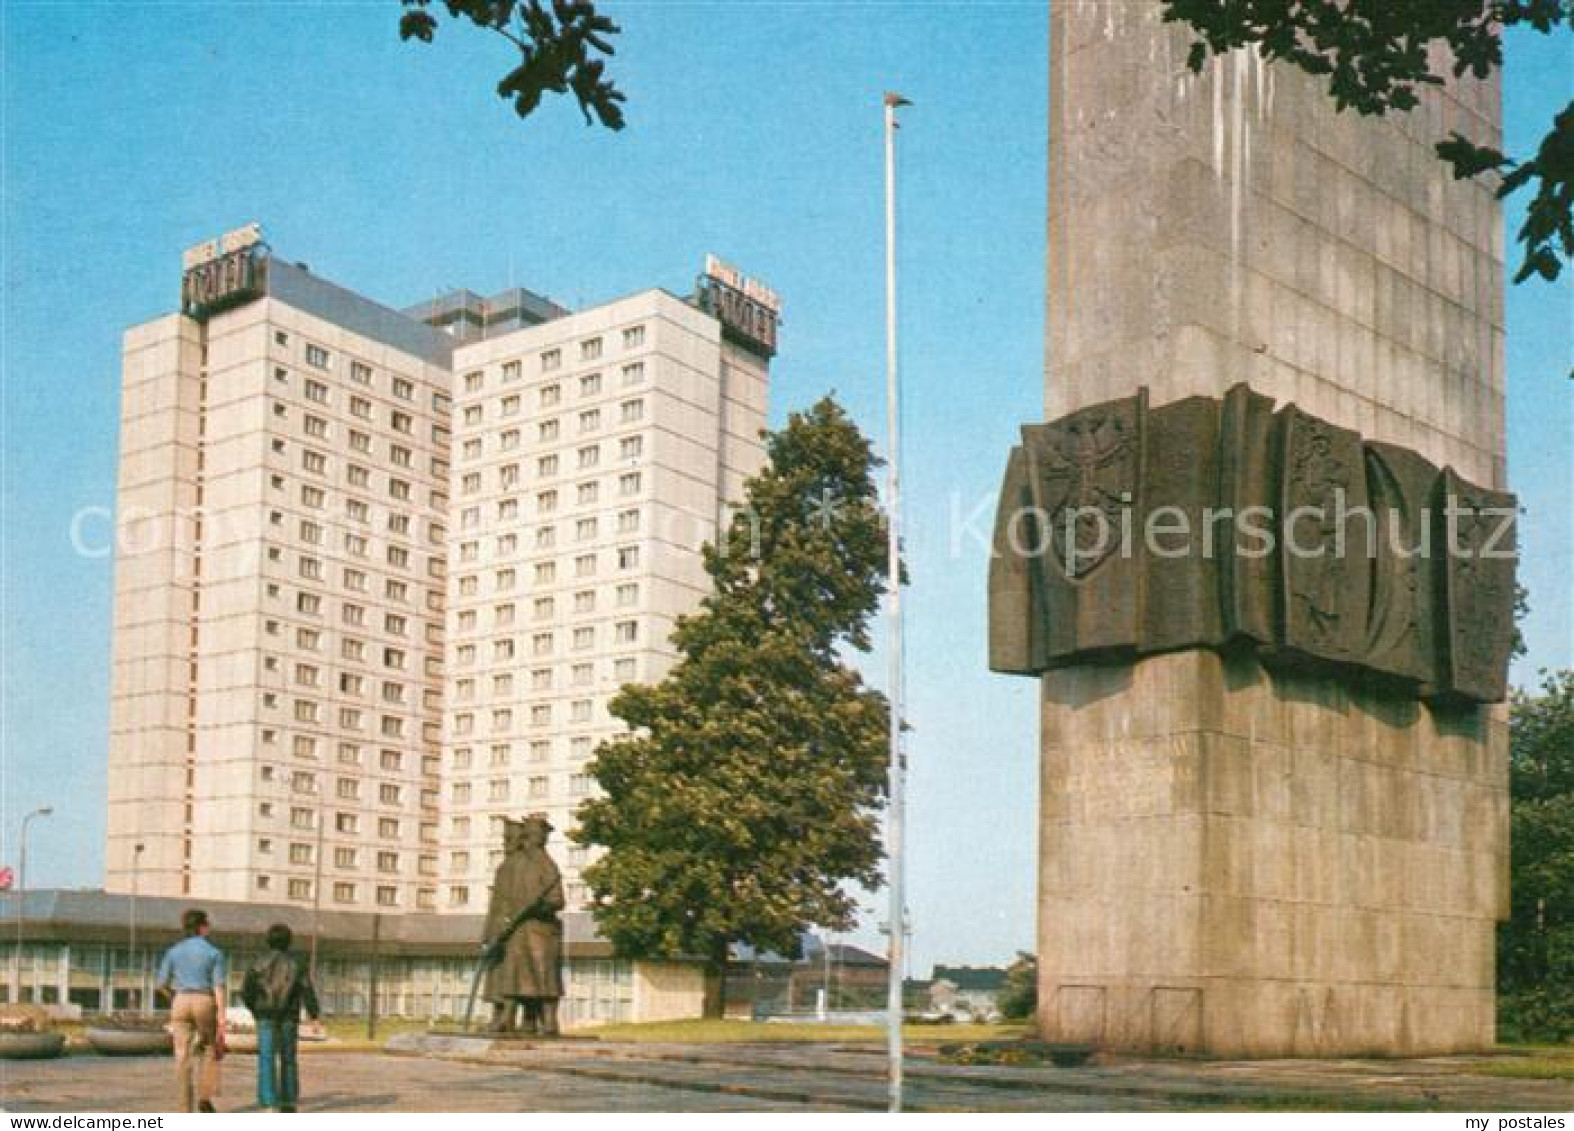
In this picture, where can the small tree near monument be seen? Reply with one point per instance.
(746, 796)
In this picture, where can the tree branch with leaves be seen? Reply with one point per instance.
(558, 44)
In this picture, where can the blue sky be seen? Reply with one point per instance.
(132, 131)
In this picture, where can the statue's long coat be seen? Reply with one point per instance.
(531, 962)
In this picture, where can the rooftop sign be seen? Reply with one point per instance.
(222, 273)
(747, 309)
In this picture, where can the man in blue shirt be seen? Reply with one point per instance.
(194, 971)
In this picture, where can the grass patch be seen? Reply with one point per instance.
(1529, 1068)
(717, 1032)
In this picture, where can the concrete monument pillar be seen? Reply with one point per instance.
(1239, 857)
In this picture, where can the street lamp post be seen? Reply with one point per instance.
(136, 968)
(21, 888)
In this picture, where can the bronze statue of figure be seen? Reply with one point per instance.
(524, 937)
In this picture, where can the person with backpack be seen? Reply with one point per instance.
(275, 990)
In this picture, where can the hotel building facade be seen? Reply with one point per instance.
(379, 573)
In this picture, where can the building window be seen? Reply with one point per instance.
(590, 349)
(629, 484)
(551, 359)
(546, 431)
(631, 447)
(590, 384)
(316, 356)
(590, 420)
(403, 388)
(300, 889)
(634, 374)
(625, 632)
(387, 895)
(360, 373)
(633, 337)
(511, 371)
(627, 595)
(631, 412)
(343, 892)
(628, 557)
(589, 457)
(316, 391)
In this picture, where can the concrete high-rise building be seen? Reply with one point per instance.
(592, 456)
(317, 492)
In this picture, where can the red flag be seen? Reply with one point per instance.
(7, 878)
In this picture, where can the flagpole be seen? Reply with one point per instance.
(898, 914)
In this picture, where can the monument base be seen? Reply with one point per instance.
(1242, 862)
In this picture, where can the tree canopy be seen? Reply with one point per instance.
(1536, 945)
(746, 795)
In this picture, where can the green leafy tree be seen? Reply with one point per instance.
(558, 46)
(746, 795)
(1375, 56)
(1536, 945)
(1018, 998)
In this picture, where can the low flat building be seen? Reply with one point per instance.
(100, 950)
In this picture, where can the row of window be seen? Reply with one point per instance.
(345, 891)
(500, 754)
(359, 511)
(363, 408)
(539, 715)
(321, 358)
(581, 639)
(387, 860)
(505, 578)
(349, 824)
(586, 494)
(587, 458)
(346, 789)
(310, 712)
(629, 412)
(552, 359)
(537, 787)
(314, 462)
(585, 601)
(314, 533)
(320, 428)
(350, 753)
(310, 604)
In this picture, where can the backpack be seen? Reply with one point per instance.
(270, 985)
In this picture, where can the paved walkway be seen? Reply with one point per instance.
(610, 1077)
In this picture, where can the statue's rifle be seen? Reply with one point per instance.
(492, 953)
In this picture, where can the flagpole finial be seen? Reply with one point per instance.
(894, 99)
